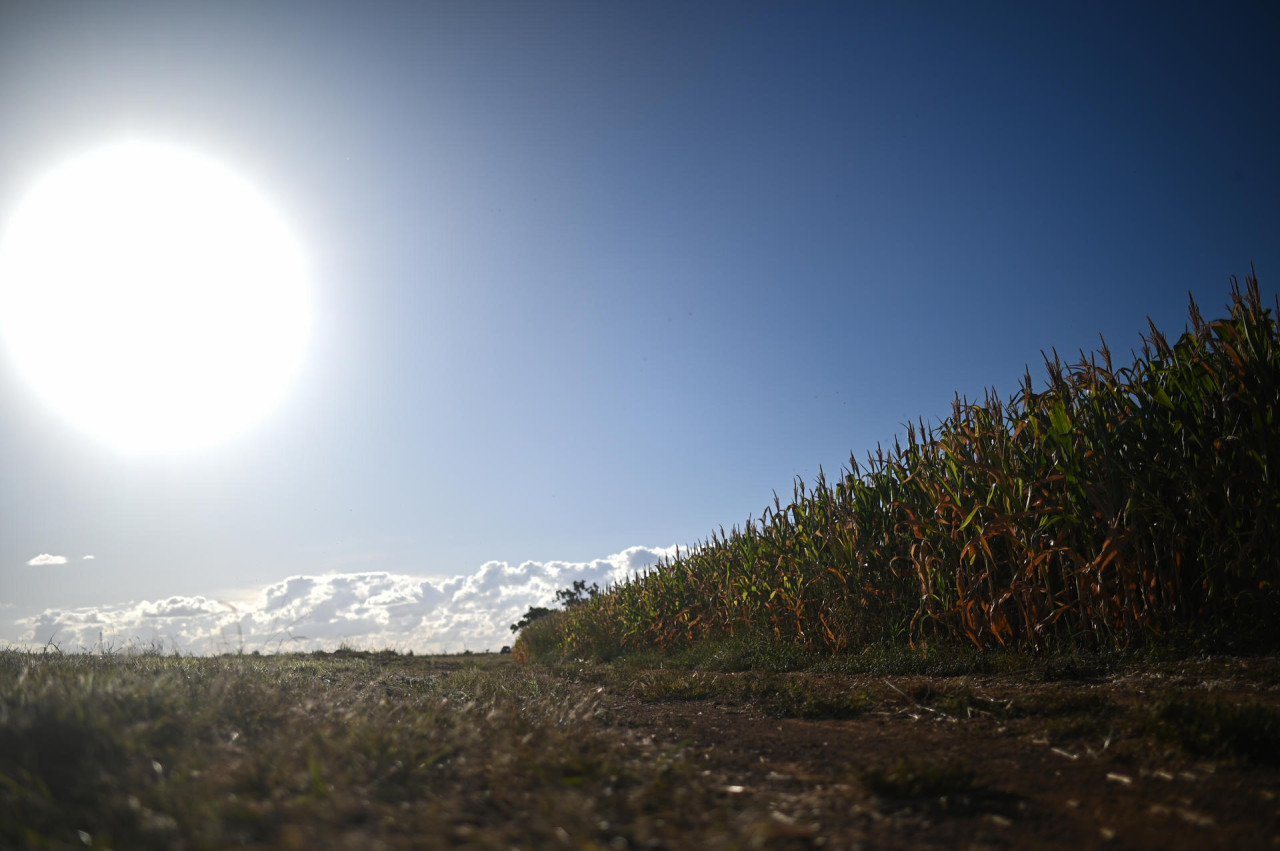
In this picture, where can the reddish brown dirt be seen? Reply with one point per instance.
(1038, 782)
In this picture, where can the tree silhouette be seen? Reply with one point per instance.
(578, 594)
(568, 598)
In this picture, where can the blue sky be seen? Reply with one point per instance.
(595, 277)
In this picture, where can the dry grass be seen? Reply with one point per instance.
(363, 750)
(376, 750)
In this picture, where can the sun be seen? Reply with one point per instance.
(153, 297)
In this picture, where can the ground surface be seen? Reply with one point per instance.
(1013, 761)
(380, 751)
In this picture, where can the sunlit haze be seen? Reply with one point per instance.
(378, 323)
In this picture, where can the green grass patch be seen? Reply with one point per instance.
(777, 695)
(919, 778)
(1216, 727)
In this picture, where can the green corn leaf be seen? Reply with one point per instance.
(1058, 420)
(1162, 397)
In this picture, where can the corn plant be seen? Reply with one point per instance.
(1111, 506)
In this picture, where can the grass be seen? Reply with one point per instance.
(301, 751)
(1218, 728)
(380, 750)
(775, 695)
(915, 778)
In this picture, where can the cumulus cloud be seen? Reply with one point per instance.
(363, 610)
(86, 558)
(45, 558)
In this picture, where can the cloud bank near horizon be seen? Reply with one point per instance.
(362, 610)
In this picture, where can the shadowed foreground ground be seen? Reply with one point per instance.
(1137, 759)
(386, 751)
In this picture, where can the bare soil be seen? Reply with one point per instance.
(1009, 761)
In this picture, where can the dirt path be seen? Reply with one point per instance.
(941, 763)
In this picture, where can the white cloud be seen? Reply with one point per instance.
(45, 558)
(363, 610)
(86, 558)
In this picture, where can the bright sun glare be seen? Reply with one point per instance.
(153, 297)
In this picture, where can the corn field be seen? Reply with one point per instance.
(1116, 505)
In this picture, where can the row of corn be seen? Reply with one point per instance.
(1115, 505)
